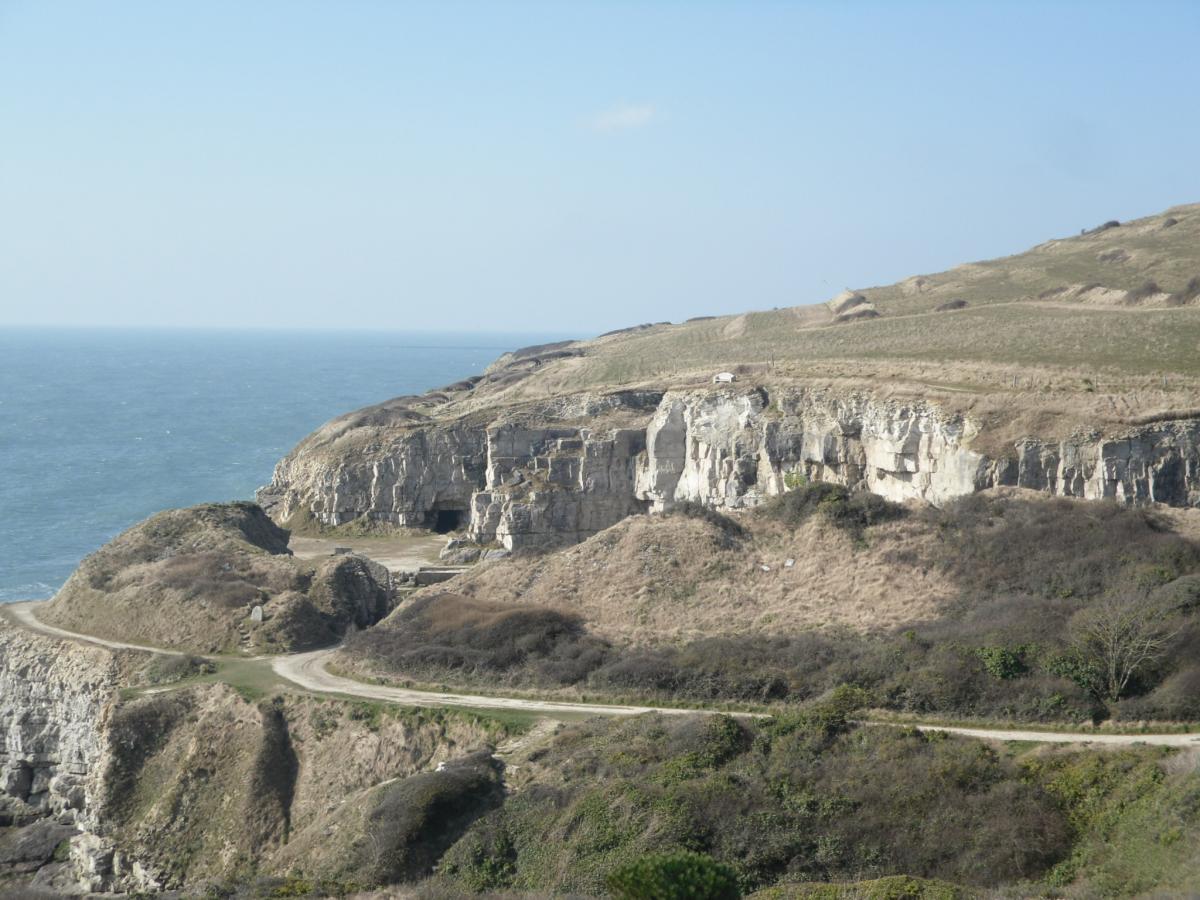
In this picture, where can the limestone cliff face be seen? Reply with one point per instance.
(548, 486)
(734, 450)
(54, 698)
(551, 475)
(542, 474)
(401, 478)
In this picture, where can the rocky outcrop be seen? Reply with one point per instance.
(543, 474)
(402, 479)
(734, 450)
(548, 486)
(54, 697)
(554, 474)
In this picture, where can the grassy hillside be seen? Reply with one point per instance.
(1109, 319)
(300, 796)
(191, 579)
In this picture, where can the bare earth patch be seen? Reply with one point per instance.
(654, 578)
(401, 553)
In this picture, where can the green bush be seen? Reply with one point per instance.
(806, 796)
(1003, 662)
(674, 876)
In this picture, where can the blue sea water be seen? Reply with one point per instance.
(101, 428)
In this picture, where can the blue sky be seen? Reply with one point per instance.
(562, 166)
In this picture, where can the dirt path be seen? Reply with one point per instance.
(399, 553)
(23, 615)
(1057, 737)
(308, 671)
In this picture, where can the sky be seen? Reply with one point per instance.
(562, 167)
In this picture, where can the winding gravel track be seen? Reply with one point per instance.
(308, 671)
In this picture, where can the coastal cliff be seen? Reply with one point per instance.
(1068, 369)
(550, 474)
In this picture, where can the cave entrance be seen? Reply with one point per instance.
(447, 520)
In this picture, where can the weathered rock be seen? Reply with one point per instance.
(541, 477)
(33, 846)
(54, 697)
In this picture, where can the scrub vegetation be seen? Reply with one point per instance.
(809, 805)
(1046, 610)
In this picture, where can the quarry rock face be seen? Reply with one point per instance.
(559, 473)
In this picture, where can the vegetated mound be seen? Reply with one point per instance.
(295, 795)
(1002, 605)
(695, 573)
(192, 578)
(398, 831)
(441, 633)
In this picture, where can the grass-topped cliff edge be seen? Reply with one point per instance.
(1098, 330)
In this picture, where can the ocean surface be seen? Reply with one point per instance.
(101, 428)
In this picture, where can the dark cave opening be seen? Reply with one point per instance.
(447, 520)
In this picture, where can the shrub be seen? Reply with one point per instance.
(1192, 291)
(793, 480)
(1122, 636)
(850, 511)
(1146, 290)
(1177, 699)
(449, 633)
(168, 669)
(1003, 662)
(674, 876)
(782, 798)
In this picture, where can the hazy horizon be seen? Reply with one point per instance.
(568, 169)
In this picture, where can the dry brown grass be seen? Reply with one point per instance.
(1029, 341)
(654, 578)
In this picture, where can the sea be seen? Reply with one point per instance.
(100, 428)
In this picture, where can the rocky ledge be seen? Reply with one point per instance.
(55, 701)
(555, 472)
